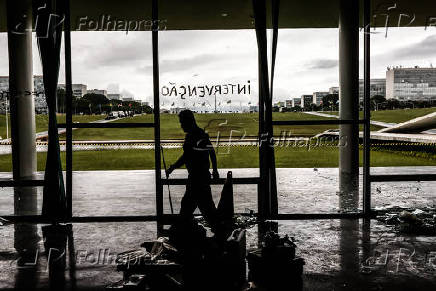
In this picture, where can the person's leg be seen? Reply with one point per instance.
(203, 195)
(188, 204)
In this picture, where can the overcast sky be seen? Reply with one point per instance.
(307, 60)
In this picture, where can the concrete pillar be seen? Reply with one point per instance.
(19, 15)
(349, 102)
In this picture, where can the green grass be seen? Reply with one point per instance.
(395, 116)
(400, 115)
(237, 124)
(3, 125)
(237, 157)
(41, 121)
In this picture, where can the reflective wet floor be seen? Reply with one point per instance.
(339, 254)
(300, 190)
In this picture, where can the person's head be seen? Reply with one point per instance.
(187, 120)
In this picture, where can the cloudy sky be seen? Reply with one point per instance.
(307, 60)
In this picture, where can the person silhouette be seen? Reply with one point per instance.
(197, 149)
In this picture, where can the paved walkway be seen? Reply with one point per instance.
(428, 136)
(43, 134)
(373, 122)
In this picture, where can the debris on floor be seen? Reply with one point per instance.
(274, 265)
(410, 221)
(3, 222)
(238, 221)
(189, 260)
(186, 260)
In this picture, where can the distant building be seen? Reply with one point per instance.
(317, 97)
(128, 99)
(377, 87)
(114, 96)
(78, 89)
(306, 100)
(411, 83)
(288, 103)
(98, 91)
(145, 103)
(296, 102)
(279, 104)
(334, 90)
(254, 108)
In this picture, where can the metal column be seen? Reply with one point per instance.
(349, 103)
(366, 109)
(69, 114)
(156, 109)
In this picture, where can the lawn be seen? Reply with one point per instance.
(236, 124)
(41, 121)
(400, 115)
(395, 116)
(233, 157)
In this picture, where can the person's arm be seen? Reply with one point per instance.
(212, 155)
(180, 162)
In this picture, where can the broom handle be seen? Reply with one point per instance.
(166, 175)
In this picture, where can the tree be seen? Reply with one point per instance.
(378, 99)
(330, 101)
(313, 107)
(95, 101)
(82, 105)
(60, 100)
(147, 109)
(393, 103)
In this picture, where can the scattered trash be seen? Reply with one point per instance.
(418, 212)
(238, 221)
(275, 265)
(187, 260)
(133, 282)
(408, 220)
(4, 222)
(156, 256)
(245, 222)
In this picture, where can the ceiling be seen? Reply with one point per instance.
(233, 14)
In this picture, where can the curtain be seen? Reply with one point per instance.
(49, 22)
(268, 205)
